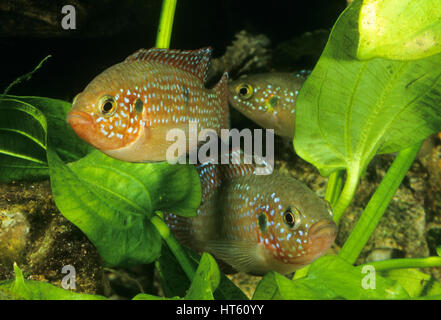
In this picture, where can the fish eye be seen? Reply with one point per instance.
(244, 90)
(292, 218)
(107, 105)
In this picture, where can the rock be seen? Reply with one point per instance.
(300, 52)
(247, 53)
(128, 282)
(14, 237)
(42, 19)
(34, 234)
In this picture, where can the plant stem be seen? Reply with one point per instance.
(404, 263)
(347, 194)
(333, 189)
(24, 77)
(378, 203)
(165, 23)
(163, 41)
(174, 246)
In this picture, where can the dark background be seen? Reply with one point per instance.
(108, 31)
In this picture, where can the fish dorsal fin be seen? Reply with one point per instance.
(194, 61)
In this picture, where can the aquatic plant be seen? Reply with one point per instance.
(348, 111)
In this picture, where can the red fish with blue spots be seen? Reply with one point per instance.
(256, 223)
(127, 110)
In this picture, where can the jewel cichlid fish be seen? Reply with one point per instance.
(268, 99)
(256, 223)
(128, 109)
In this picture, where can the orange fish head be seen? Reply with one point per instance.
(109, 119)
(296, 240)
(295, 227)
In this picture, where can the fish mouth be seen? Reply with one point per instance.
(81, 123)
(78, 119)
(322, 235)
(323, 229)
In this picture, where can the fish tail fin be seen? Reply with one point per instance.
(221, 88)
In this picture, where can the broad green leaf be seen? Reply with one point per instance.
(227, 290)
(21, 289)
(399, 29)
(111, 201)
(22, 141)
(349, 110)
(274, 286)
(206, 279)
(24, 123)
(267, 288)
(415, 282)
(329, 277)
(175, 283)
(348, 282)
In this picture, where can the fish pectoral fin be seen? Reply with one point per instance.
(242, 255)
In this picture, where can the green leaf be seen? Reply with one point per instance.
(175, 283)
(206, 279)
(274, 286)
(399, 29)
(348, 282)
(24, 124)
(22, 141)
(415, 282)
(350, 110)
(21, 289)
(227, 290)
(329, 277)
(111, 201)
